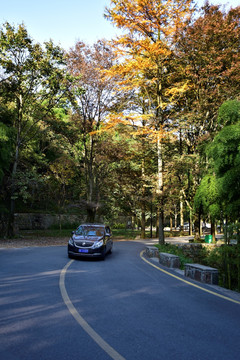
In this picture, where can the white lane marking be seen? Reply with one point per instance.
(86, 327)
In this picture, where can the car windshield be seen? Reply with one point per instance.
(90, 231)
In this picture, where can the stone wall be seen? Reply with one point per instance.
(205, 274)
(33, 221)
(169, 260)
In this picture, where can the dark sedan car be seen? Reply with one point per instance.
(90, 240)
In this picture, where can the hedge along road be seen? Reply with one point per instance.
(125, 307)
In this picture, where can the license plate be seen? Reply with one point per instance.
(83, 250)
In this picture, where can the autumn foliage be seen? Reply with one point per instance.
(122, 127)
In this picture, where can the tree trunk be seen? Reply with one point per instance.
(226, 237)
(91, 213)
(133, 222)
(181, 216)
(197, 226)
(175, 219)
(190, 223)
(91, 204)
(11, 222)
(151, 221)
(143, 223)
(213, 231)
(161, 227)
(160, 192)
(157, 224)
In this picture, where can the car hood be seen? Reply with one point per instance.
(87, 238)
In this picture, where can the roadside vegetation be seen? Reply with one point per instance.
(225, 258)
(145, 127)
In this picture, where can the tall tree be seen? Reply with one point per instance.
(145, 61)
(90, 106)
(31, 84)
(208, 61)
(217, 196)
(207, 201)
(225, 153)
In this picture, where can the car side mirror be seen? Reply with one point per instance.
(73, 232)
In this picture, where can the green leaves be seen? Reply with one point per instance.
(225, 149)
(229, 112)
(33, 81)
(222, 184)
(5, 148)
(207, 197)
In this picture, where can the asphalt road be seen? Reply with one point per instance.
(120, 308)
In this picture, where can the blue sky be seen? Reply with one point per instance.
(65, 21)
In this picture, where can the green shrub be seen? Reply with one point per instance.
(227, 260)
(175, 233)
(126, 233)
(119, 226)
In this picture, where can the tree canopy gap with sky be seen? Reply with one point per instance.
(67, 21)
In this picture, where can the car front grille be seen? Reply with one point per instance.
(83, 244)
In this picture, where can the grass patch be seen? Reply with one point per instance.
(175, 233)
(126, 233)
(129, 233)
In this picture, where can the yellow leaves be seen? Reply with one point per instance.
(144, 60)
(135, 59)
(129, 74)
(151, 134)
(62, 169)
(156, 50)
(149, 18)
(112, 121)
(136, 125)
(177, 90)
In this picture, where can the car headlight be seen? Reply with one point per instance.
(71, 242)
(97, 244)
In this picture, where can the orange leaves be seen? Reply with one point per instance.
(149, 18)
(135, 125)
(154, 135)
(145, 64)
(150, 26)
(112, 121)
(135, 59)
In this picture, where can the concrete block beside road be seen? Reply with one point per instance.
(169, 260)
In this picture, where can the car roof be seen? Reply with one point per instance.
(93, 225)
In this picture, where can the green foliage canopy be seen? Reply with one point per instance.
(224, 152)
(207, 197)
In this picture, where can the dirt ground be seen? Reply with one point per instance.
(38, 241)
(26, 242)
